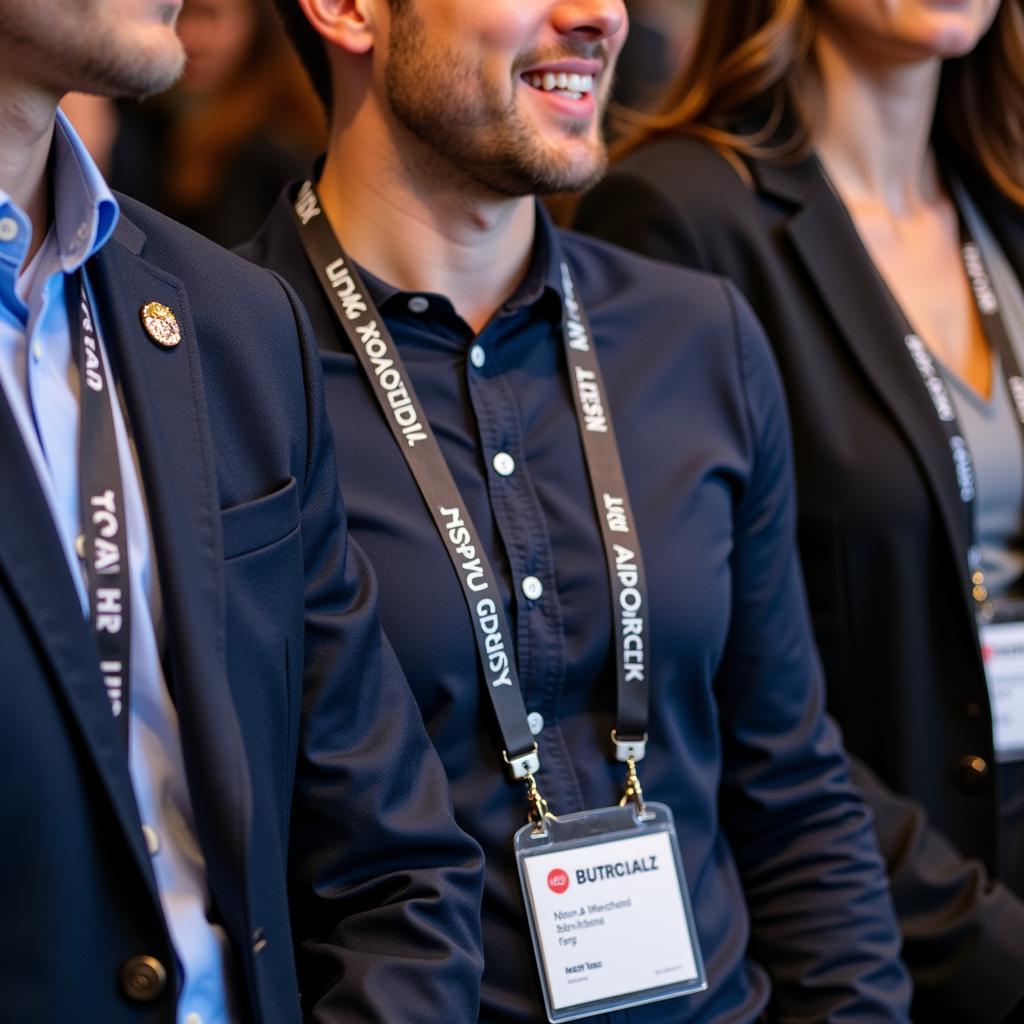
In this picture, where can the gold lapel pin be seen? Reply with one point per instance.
(161, 324)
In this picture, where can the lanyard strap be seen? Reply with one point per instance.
(626, 577)
(104, 548)
(994, 326)
(378, 355)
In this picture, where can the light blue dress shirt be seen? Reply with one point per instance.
(39, 377)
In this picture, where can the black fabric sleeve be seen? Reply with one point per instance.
(822, 921)
(963, 933)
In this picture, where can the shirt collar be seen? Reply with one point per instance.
(543, 278)
(544, 274)
(85, 213)
(85, 209)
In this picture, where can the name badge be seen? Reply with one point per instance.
(1002, 647)
(608, 910)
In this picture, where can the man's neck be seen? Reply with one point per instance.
(875, 141)
(26, 133)
(421, 233)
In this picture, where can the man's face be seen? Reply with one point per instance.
(508, 93)
(109, 47)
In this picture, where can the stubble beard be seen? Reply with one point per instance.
(86, 54)
(472, 133)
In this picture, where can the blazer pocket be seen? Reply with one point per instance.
(262, 522)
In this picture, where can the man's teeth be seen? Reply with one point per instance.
(575, 85)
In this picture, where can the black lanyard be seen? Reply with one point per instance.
(104, 547)
(999, 341)
(379, 357)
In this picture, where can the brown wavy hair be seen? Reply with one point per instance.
(752, 88)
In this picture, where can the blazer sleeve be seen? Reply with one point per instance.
(822, 921)
(385, 887)
(961, 929)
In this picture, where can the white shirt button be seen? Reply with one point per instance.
(535, 720)
(532, 587)
(37, 352)
(8, 229)
(504, 464)
(418, 304)
(152, 838)
(193, 1018)
(477, 356)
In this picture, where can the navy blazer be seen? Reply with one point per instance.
(321, 808)
(882, 534)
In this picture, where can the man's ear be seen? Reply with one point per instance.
(348, 24)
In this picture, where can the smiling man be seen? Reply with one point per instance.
(212, 766)
(570, 468)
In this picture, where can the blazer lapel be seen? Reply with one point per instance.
(163, 393)
(32, 560)
(834, 257)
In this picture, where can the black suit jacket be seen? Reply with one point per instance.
(883, 536)
(320, 806)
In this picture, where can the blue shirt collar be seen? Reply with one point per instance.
(85, 213)
(86, 210)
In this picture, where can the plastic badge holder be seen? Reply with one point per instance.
(1001, 633)
(609, 911)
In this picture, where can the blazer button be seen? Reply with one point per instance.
(971, 771)
(143, 979)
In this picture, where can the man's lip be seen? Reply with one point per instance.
(566, 67)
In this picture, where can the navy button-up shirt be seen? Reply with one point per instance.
(790, 897)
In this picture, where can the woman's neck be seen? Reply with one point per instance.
(875, 138)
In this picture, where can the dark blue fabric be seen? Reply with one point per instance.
(320, 805)
(790, 896)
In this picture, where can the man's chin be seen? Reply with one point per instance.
(146, 71)
(573, 175)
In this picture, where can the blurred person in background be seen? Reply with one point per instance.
(857, 168)
(215, 151)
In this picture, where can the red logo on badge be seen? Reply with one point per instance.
(558, 880)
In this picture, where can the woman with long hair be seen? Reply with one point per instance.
(857, 168)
